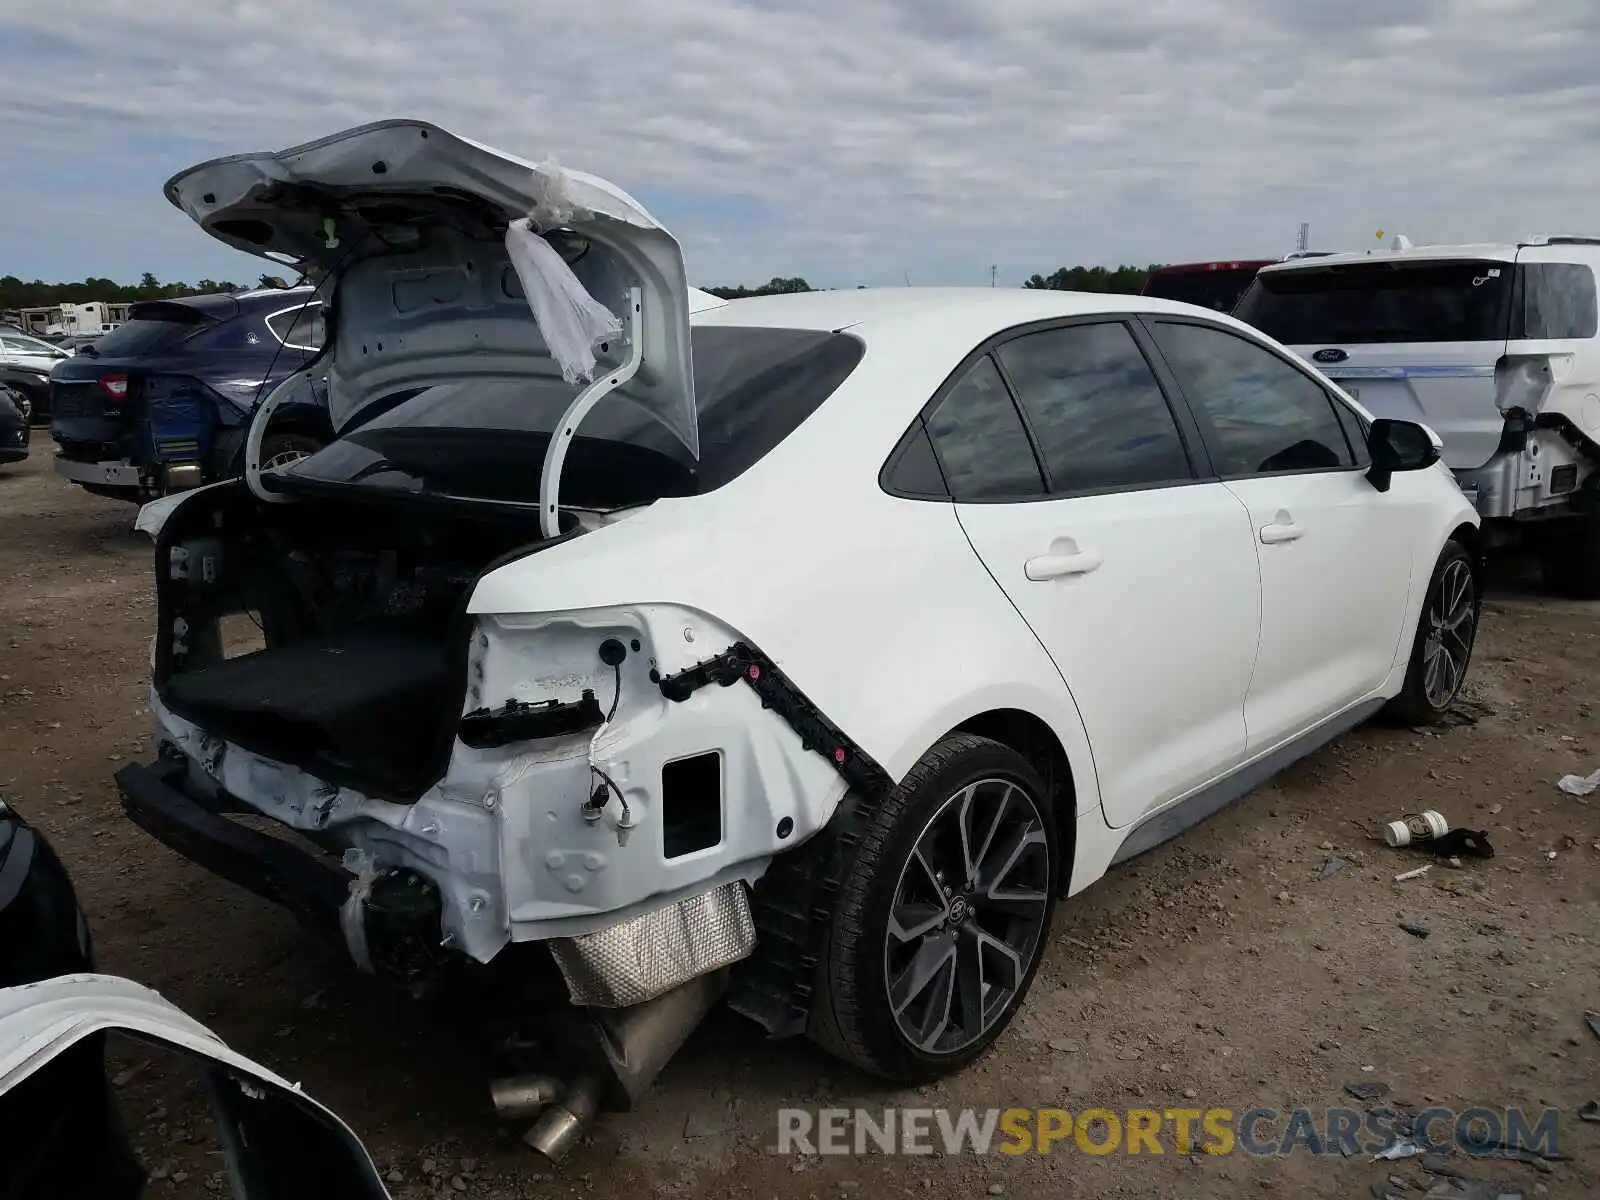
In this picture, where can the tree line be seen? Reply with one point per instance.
(15, 293)
(1123, 280)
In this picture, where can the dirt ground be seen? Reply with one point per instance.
(1237, 967)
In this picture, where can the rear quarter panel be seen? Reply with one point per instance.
(875, 606)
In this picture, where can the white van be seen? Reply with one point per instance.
(1494, 347)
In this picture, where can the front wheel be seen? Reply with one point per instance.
(1442, 648)
(943, 916)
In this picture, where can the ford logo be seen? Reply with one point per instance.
(1330, 356)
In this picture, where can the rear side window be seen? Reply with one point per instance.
(1098, 413)
(299, 328)
(1555, 300)
(981, 442)
(1381, 302)
(1267, 417)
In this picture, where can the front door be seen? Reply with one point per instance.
(1335, 552)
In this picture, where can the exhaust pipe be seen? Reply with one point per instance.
(523, 1097)
(635, 1044)
(562, 1126)
(639, 1041)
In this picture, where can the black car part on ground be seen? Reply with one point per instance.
(61, 1129)
(14, 425)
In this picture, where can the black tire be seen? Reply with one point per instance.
(852, 1014)
(286, 446)
(1428, 694)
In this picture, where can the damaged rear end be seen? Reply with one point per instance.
(359, 646)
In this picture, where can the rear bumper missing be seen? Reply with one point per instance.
(154, 799)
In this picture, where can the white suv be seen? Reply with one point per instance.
(849, 648)
(1495, 347)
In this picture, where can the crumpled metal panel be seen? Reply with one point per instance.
(651, 954)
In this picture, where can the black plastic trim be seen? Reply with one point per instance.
(1163, 826)
(515, 721)
(259, 863)
(741, 661)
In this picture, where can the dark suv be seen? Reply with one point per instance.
(163, 402)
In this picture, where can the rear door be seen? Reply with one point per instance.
(1136, 572)
(1335, 553)
(1416, 339)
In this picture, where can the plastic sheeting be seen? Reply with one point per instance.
(570, 320)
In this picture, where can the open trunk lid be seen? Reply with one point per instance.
(1409, 337)
(409, 221)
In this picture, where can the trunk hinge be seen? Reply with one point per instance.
(561, 439)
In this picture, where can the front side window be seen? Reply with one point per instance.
(981, 442)
(1267, 416)
(1098, 413)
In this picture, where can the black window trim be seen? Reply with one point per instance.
(1208, 431)
(1190, 434)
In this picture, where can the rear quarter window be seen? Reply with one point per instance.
(1555, 300)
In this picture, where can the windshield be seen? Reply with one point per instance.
(485, 439)
(1217, 290)
(1382, 302)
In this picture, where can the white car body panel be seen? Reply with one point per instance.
(39, 1021)
(1333, 599)
(1163, 696)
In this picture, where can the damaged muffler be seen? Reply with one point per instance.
(631, 1046)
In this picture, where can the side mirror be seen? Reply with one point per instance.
(1398, 446)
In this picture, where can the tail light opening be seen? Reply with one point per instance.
(115, 387)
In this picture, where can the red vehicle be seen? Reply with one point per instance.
(1214, 285)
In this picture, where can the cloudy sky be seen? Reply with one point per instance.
(848, 141)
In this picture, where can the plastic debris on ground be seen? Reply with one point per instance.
(1579, 785)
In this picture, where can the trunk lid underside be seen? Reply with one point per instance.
(410, 222)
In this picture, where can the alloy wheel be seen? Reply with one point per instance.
(284, 458)
(968, 915)
(1452, 622)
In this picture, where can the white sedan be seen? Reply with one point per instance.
(846, 634)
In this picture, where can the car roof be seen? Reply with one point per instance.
(1486, 251)
(986, 310)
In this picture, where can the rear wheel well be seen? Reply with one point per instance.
(1037, 742)
(304, 423)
